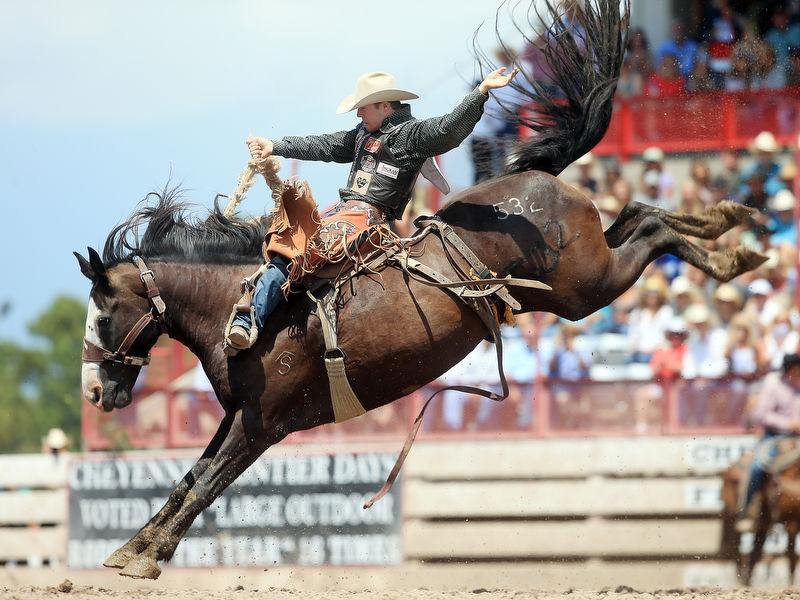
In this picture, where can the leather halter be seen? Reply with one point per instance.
(92, 353)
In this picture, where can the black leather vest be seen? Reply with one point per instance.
(377, 177)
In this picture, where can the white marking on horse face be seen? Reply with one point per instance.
(90, 372)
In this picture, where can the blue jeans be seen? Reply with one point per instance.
(758, 468)
(267, 295)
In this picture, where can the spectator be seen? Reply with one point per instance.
(680, 46)
(761, 307)
(648, 320)
(727, 302)
(740, 76)
(730, 175)
(723, 31)
(667, 82)
(666, 365)
(746, 360)
(765, 148)
(781, 339)
(684, 294)
(608, 207)
(787, 175)
(497, 130)
(782, 222)
(782, 37)
(793, 72)
(622, 191)
(651, 193)
(701, 78)
(703, 364)
(701, 175)
(653, 158)
(56, 442)
(690, 198)
(569, 366)
(585, 179)
(751, 58)
(612, 172)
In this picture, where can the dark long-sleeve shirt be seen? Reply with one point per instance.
(410, 143)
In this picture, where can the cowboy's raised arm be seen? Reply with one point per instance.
(332, 147)
(431, 137)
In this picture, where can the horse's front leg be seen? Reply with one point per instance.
(245, 442)
(144, 537)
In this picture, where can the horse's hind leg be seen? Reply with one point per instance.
(652, 238)
(710, 225)
(245, 442)
(144, 537)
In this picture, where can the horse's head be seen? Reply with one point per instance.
(122, 324)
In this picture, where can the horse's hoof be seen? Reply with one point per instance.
(141, 567)
(735, 212)
(119, 558)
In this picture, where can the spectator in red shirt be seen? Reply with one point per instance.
(667, 82)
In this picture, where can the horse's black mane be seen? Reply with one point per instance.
(171, 234)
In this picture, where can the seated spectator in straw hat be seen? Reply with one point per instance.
(728, 302)
(765, 148)
(703, 364)
(684, 293)
(653, 159)
(761, 307)
(648, 320)
(651, 192)
(782, 223)
(585, 179)
(569, 365)
(746, 357)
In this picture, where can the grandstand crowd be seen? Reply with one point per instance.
(725, 49)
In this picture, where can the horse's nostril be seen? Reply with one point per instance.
(97, 395)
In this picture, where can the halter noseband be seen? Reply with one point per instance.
(92, 353)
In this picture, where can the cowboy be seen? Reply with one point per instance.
(778, 412)
(388, 150)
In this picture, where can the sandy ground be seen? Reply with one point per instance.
(67, 590)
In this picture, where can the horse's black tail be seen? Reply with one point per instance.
(582, 50)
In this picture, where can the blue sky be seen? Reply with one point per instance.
(103, 101)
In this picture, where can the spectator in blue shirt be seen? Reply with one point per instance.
(765, 146)
(680, 46)
(782, 37)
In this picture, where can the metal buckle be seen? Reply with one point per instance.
(148, 272)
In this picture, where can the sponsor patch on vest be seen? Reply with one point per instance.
(368, 163)
(361, 182)
(388, 170)
(372, 145)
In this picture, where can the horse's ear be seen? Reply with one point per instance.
(96, 262)
(86, 268)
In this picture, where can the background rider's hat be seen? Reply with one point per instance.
(371, 88)
(56, 439)
(653, 154)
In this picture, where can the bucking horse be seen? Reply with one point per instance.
(162, 272)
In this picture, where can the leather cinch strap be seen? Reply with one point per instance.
(92, 353)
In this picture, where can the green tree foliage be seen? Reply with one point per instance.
(40, 385)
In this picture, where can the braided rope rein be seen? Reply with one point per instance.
(268, 168)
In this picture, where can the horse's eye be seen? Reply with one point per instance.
(104, 321)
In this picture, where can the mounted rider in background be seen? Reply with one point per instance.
(778, 413)
(388, 149)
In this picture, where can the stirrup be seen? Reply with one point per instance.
(230, 349)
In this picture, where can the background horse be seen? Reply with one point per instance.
(398, 334)
(777, 502)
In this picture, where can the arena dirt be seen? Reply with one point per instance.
(66, 591)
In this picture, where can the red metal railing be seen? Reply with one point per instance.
(172, 418)
(707, 121)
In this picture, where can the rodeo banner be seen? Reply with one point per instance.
(300, 510)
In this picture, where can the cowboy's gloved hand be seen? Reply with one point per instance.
(259, 147)
(496, 79)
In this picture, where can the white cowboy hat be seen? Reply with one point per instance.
(765, 142)
(653, 154)
(371, 88)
